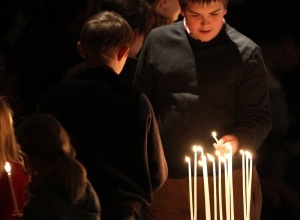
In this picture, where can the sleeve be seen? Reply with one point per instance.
(157, 164)
(254, 117)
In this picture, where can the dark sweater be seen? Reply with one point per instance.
(114, 131)
(199, 87)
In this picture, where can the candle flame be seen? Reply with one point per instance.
(7, 167)
(228, 146)
(214, 134)
(218, 153)
(223, 159)
(242, 152)
(210, 157)
(199, 148)
(200, 162)
(187, 159)
(248, 154)
(195, 148)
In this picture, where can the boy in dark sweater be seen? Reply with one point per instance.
(201, 75)
(111, 124)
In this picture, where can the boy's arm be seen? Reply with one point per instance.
(157, 164)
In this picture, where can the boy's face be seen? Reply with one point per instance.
(204, 21)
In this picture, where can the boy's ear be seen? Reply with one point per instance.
(136, 33)
(123, 51)
(80, 49)
(161, 3)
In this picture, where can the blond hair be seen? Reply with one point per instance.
(9, 149)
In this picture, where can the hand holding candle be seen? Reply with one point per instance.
(226, 140)
(7, 168)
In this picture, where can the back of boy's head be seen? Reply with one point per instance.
(103, 34)
(137, 13)
(183, 3)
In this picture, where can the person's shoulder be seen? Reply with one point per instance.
(238, 37)
(246, 46)
(167, 29)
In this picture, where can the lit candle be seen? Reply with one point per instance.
(206, 187)
(7, 168)
(195, 149)
(188, 160)
(248, 155)
(212, 159)
(220, 185)
(247, 183)
(214, 134)
(230, 181)
(227, 201)
(244, 187)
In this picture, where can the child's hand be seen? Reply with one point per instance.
(225, 142)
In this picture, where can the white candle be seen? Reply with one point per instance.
(206, 188)
(188, 160)
(247, 183)
(220, 185)
(212, 159)
(249, 156)
(227, 201)
(230, 181)
(7, 168)
(244, 187)
(195, 149)
(214, 134)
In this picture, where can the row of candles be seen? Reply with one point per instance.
(224, 161)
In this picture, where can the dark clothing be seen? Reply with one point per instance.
(127, 73)
(198, 87)
(114, 131)
(48, 204)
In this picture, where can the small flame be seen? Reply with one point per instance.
(199, 148)
(210, 157)
(200, 162)
(223, 159)
(214, 134)
(248, 154)
(7, 167)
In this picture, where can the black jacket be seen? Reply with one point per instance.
(114, 131)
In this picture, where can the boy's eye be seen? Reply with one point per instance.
(214, 14)
(195, 15)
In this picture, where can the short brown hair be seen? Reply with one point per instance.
(183, 3)
(105, 32)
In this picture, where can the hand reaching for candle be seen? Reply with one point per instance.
(224, 142)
